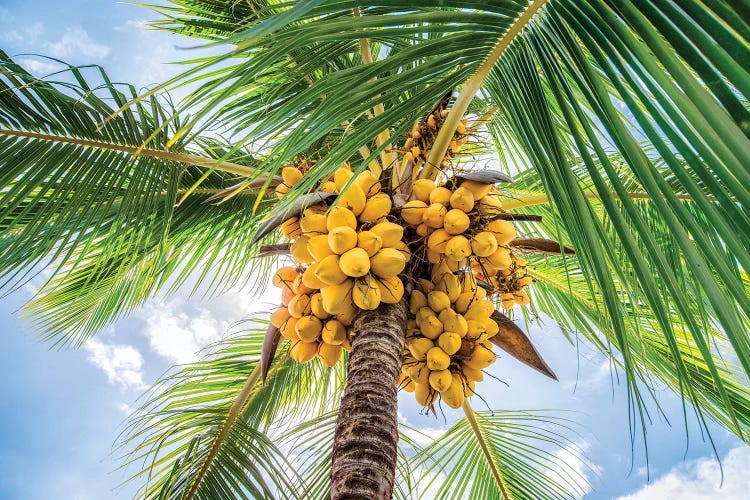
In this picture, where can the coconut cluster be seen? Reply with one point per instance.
(422, 136)
(447, 344)
(460, 227)
(302, 319)
(349, 258)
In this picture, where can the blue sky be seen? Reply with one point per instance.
(60, 411)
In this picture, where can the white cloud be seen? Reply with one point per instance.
(178, 331)
(76, 41)
(39, 68)
(122, 364)
(701, 480)
(132, 25)
(577, 472)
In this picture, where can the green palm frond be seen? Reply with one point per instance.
(522, 446)
(172, 434)
(582, 82)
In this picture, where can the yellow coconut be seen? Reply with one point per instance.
(413, 212)
(525, 281)
(317, 246)
(337, 298)
(478, 189)
(418, 347)
(291, 228)
(522, 298)
(286, 295)
(284, 277)
(333, 332)
(449, 284)
(424, 394)
(340, 216)
(419, 372)
(456, 221)
(464, 300)
(355, 262)
(288, 329)
(328, 187)
(437, 359)
(281, 190)
(462, 199)
(441, 195)
(341, 177)
(434, 215)
(299, 287)
(291, 175)
(369, 242)
(316, 306)
(450, 342)
(303, 352)
(279, 316)
(489, 206)
(431, 327)
(479, 310)
(329, 271)
(390, 233)
(500, 258)
(329, 354)
(492, 327)
(472, 374)
(376, 208)
(455, 323)
(438, 240)
(508, 300)
(388, 262)
(391, 290)
(458, 248)
(476, 330)
(481, 358)
(299, 306)
(503, 230)
(308, 328)
(366, 293)
(353, 198)
(440, 380)
(406, 383)
(422, 189)
(299, 250)
(314, 224)
(484, 244)
(346, 317)
(423, 230)
(438, 300)
(454, 395)
(309, 278)
(341, 239)
(369, 183)
(417, 300)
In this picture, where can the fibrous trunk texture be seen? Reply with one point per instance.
(366, 441)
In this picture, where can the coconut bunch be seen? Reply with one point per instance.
(291, 175)
(508, 283)
(447, 344)
(349, 257)
(422, 136)
(302, 320)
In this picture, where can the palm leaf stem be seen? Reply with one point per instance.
(472, 419)
(187, 158)
(234, 412)
(386, 157)
(471, 87)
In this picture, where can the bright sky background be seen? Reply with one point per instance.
(60, 411)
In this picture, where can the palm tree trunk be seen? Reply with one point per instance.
(366, 440)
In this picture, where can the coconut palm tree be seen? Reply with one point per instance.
(623, 124)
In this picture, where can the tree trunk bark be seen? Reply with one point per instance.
(366, 440)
